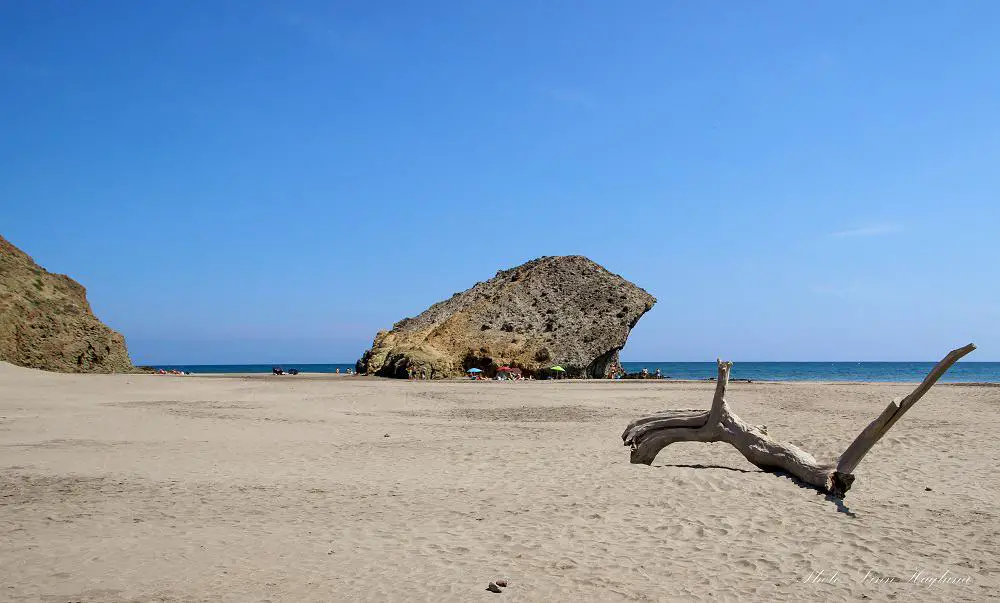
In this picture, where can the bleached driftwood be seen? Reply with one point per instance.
(649, 435)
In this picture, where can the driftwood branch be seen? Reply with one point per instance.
(647, 436)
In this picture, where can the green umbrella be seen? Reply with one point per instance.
(559, 368)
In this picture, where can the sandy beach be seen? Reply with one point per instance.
(330, 488)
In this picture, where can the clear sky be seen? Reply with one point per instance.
(249, 181)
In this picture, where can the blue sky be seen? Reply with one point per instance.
(251, 181)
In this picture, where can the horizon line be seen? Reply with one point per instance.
(623, 361)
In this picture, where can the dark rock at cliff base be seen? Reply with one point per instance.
(46, 321)
(564, 310)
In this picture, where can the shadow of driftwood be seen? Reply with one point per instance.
(714, 467)
(838, 502)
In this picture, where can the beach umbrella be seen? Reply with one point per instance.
(559, 368)
(505, 369)
(474, 370)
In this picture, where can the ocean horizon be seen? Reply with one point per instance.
(962, 372)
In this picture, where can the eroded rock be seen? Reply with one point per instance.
(46, 321)
(562, 310)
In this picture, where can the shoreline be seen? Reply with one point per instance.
(756, 372)
(733, 382)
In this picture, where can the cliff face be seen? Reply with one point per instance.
(565, 311)
(46, 321)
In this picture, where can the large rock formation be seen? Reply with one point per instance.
(565, 311)
(46, 322)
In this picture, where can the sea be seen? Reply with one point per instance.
(962, 372)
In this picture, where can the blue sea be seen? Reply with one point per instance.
(966, 372)
(254, 368)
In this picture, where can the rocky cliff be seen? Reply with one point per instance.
(565, 311)
(46, 321)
